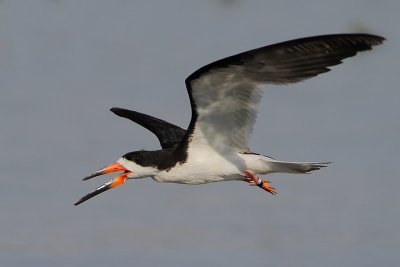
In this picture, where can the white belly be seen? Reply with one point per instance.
(207, 166)
(204, 167)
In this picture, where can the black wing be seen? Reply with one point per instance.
(167, 133)
(292, 61)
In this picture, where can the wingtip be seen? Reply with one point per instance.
(119, 111)
(115, 110)
(377, 40)
(380, 39)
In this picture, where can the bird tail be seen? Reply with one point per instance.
(295, 167)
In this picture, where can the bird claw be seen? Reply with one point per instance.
(253, 181)
(267, 187)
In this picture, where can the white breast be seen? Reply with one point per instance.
(204, 165)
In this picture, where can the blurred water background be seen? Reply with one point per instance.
(63, 64)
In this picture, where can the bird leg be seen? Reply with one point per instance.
(262, 183)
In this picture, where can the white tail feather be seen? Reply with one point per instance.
(295, 167)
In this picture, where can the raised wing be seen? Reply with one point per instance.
(225, 94)
(167, 133)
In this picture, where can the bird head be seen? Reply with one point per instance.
(131, 161)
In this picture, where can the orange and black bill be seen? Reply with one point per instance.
(118, 180)
(113, 167)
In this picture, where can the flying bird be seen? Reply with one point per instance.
(224, 98)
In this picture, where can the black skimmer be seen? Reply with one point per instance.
(224, 97)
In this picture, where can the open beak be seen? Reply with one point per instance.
(118, 180)
(113, 167)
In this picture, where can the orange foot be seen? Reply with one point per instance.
(262, 183)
